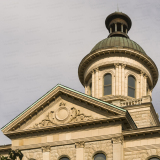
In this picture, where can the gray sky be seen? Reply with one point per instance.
(43, 42)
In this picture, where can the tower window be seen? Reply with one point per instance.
(100, 156)
(131, 86)
(119, 27)
(113, 27)
(107, 84)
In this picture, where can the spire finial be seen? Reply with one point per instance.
(117, 8)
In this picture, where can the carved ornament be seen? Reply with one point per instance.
(117, 140)
(116, 65)
(123, 65)
(62, 115)
(80, 144)
(46, 148)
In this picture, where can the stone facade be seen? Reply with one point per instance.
(92, 148)
(120, 70)
(33, 154)
(60, 151)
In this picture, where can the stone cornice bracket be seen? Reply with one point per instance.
(117, 140)
(80, 144)
(92, 71)
(46, 148)
(96, 69)
(116, 65)
(145, 75)
(123, 65)
(141, 73)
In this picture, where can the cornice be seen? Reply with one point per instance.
(124, 51)
(5, 148)
(69, 142)
(142, 132)
(60, 128)
(143, 147)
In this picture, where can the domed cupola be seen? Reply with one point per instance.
(117, 68)
(118, 24)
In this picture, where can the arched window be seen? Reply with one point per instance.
(154, 158)
(107, 84)
(64, 158)
(90, 86)
(99, 156)
(131, 86)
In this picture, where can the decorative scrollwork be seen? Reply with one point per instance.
(77, 116)
(73, 116)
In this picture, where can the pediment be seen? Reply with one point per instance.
(65, 110)
(63, 106)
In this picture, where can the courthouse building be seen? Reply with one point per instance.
(113, 120)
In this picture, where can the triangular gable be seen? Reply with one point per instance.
(60, 89)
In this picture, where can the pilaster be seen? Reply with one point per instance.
(93, 83)
(97, 83)
(145, 85)
(117, 148)
(80, 150)
(141, 84)
(120, 78)
(116, 74)
(46, 152)
(123, 80)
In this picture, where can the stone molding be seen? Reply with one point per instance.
(69, 142)
(111, 71)
(46, 148)
(132, 73)
(141, 131)
(144, 147)
(80, 144)
(117, 140)
(118, 118)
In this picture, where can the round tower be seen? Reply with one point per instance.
(117, 68)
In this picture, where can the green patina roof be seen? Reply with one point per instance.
(59, 85)
(118, 42)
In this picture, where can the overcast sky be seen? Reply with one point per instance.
(43, 41)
